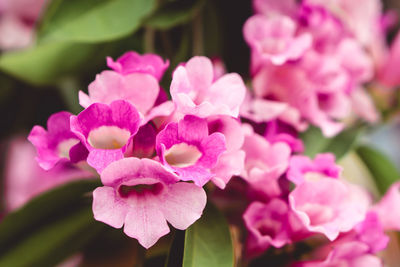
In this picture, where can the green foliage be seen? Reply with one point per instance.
(46, 63)
(315, 142)
(72, 34)
(384, 172)
(208, 241)
(92, 21)
(173, 14)
(50, 227)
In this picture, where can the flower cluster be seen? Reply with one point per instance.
(315, 57)
(155, 155)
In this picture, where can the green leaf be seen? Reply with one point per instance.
(174, 14)
(208, 241)
(315, 142)
(91, 21)
(47, 206)
(382, 169)
(45, 63)
(53, 242)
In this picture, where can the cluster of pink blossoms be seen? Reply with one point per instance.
(154, 155)
(310, 61)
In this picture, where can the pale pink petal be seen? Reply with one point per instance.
(108, 208)
(145, 221)
(183, 204)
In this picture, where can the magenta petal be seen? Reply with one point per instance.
(54, 144)
(213, 146)
(108, 208)
(192, 129)
(145, 221)
(183, 204)
(132, 62)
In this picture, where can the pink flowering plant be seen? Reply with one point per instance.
(199, 133)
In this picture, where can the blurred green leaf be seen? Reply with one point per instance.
(208, 241)
(91, 21)
(54, 241)
(384, 172)
(45, 63)
(173, 14)
(47, 206)
(315, 142)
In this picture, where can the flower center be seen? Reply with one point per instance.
(64, 146)
(268, 227)
(139, 189)
(182, 155)
(318, 214)
(314, 176)
(108, 137)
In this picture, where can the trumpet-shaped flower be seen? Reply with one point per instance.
(268, 225)
(58, 143)
(274, 39)
(132, 62)
(140, 89)
(265, 163)
(188, 149)
(142, 195)
(302, 168)
(195, 92)
(106, 131)
(329, 206)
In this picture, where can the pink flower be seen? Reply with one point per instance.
(132, 62)
(17, 21)
(106, 131)
(142, 195)
(326, 29)
(58, 143)
(354, 254)
(188, 149)
(360, 17)
(265, 163)
(268, 225)
(389, 74)
(329, 206)
(371, 232)
(261, 110)
(302, 168)
(24, 179)
(195, 92)
(291, 84)
(278, 131)
(274, 39)
(231, 161)
(275, 7)
(388, 208)
(144, 142)
(139, 89)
